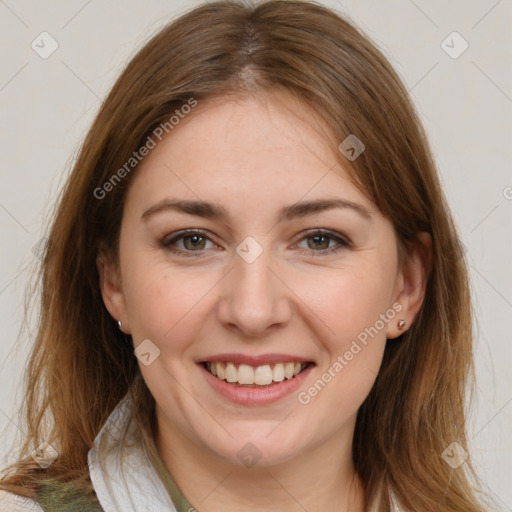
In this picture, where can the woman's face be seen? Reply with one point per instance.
(272, 271)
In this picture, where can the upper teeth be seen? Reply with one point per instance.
(260, 375)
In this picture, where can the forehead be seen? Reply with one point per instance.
(270, 147)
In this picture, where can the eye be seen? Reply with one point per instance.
(192, 242)
(321, 242)
(188, 242)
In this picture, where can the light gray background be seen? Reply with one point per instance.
(47, 106)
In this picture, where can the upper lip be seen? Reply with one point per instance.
(255, 360)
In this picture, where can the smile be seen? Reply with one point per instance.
(254, 376)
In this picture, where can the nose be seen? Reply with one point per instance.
(254, 300)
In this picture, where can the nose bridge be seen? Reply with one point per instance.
(253, 298)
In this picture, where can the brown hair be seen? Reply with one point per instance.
(81, 365)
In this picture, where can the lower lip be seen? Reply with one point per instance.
(255, 396)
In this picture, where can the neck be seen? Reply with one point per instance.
(321, 478)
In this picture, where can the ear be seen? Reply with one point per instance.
(411, 284)
(111, 290)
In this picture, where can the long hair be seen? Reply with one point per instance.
(81, 365)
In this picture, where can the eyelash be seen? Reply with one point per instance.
(343, 243)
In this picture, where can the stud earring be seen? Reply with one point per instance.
(401, 324)
(119, 324)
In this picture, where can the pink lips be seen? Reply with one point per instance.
(255, 396)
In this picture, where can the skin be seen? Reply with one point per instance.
(254, 155)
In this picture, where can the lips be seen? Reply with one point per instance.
(253, 394)
(255, 380)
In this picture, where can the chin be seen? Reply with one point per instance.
(257, 450)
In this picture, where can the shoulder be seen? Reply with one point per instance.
(10, 502)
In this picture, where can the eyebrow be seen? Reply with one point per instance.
(217, 212)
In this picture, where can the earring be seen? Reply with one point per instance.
(401, 324)
(119, 324)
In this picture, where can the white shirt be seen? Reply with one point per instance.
(126, 481)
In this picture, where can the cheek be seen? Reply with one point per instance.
(168, 305)
(359, 299)
(159, 300)
(350, 305)
(347, 300)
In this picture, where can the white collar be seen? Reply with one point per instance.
(123, 475)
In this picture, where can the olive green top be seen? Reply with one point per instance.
(180, 502)
(55, 496)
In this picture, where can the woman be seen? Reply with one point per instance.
(253, 293)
